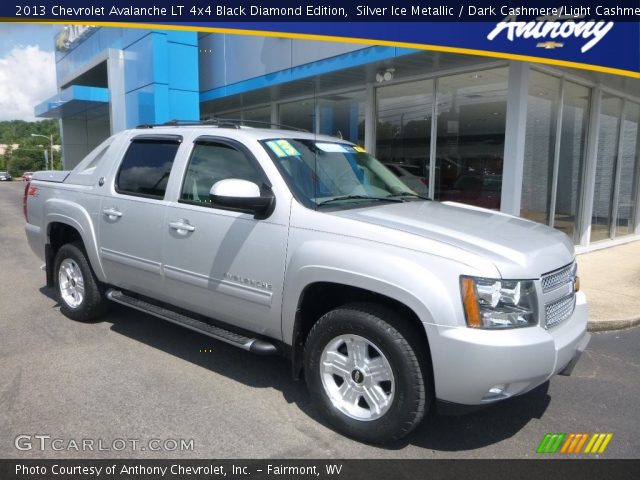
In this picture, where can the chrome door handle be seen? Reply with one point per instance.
(112, 213)
(182, 227)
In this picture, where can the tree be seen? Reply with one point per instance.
(19, 165)
(29, 155)
(15, 131)
(6, 158)
(24, 159)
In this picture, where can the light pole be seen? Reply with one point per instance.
(50, 138)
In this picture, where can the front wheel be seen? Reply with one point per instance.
(363, 367)
(77, 288)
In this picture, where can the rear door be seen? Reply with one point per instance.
(221, 263)
(132, 216)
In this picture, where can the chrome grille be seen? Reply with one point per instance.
(558, 311)
(557, 278)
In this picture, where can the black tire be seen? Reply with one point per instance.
(395, 339)
(93, 303)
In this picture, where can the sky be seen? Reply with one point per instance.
(27, 68)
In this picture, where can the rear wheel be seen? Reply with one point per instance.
(77, 288)
(362, 366)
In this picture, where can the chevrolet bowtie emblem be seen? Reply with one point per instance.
(550, 45)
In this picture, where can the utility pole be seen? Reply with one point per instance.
(50, 138)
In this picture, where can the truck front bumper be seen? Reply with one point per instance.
(480, 367)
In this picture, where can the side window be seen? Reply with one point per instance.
(145, 169)
(210, 163)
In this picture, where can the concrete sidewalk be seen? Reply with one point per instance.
(611, 280)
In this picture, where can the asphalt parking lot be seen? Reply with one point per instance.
(133, 377)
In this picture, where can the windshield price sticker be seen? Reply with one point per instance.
(333, 147)
(282, 148)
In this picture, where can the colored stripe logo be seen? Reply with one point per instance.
(572, 443)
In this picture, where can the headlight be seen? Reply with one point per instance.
(495, 304)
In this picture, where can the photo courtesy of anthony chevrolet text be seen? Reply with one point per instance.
(288, 239)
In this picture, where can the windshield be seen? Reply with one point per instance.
(323, 173)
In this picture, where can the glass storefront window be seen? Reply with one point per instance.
(470, 143)
(540, 201)
(342, 116)
(540, 143)
(608, 136)
(300, 114)
(403, 131)
(261, 115)
(573, 144)
(235, 115)
(628, 170)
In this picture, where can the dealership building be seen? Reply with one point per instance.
(552, 144)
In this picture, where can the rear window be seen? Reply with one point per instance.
(146, 166)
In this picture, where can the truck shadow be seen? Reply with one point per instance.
(437, 432)
(481, 428)
(50, 293)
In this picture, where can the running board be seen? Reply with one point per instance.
(253, 345)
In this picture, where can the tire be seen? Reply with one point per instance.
(366, 371)
(77, 289)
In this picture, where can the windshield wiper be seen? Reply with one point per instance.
(408, 194)
(360, 197)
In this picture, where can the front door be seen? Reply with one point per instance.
(220, 263)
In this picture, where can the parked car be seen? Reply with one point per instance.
(5, 177)
(27, 176)
(411, 176)
(480, 190)
(282, 242)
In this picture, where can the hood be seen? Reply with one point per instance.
(519, 248)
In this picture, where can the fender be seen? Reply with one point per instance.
(72, 214)
(412, 282)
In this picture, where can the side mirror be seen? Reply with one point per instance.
(243, 196)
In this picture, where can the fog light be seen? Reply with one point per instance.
(496, 392)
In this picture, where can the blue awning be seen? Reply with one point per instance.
(77, 99)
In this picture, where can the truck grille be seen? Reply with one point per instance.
(557, 278)
(558, 311)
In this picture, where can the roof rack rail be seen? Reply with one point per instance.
(221, 123)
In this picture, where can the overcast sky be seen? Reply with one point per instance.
(27, 68)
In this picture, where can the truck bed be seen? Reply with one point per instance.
(51, 176)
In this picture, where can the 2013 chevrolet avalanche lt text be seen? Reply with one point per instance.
(286, 242)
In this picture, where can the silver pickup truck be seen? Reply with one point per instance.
(284, 242)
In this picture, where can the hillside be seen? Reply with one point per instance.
(28, 155)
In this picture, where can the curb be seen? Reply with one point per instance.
(610, 325)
